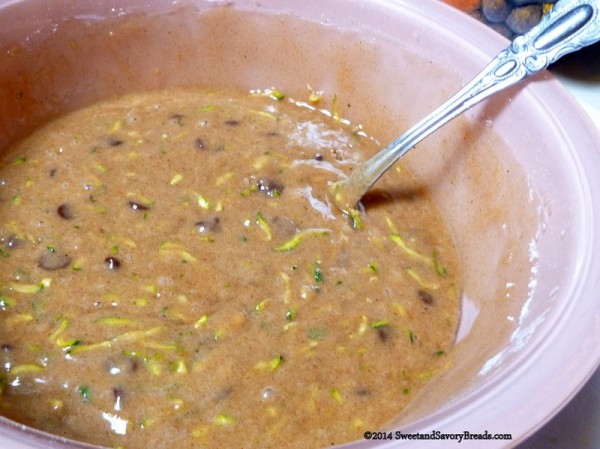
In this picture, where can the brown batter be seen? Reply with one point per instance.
(174, 275)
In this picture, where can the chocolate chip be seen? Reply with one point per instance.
(112, 142)
(208, 225)
(200, 144)
(137, 206)
(383, 333)
(269, 186)
(426, 297)
(66, 211)
(112, 263)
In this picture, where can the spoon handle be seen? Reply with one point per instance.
(569, 26)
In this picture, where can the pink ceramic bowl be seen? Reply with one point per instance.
(522, 209)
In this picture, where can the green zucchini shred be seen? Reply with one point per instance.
(85, 393)
(315, 97)
(380, 323)
(77, 266)
(437, 265)
(224, 420)
(88, 347)
(336, 395)
(272, 93)
(261, 306)
(202, 201)
(298, 238)
(26, 368)
(335, 110)
(269, 365)
(276, 362)
(397, 239)
(276, 94)
(318, 273)
(17, 318)
(249, 190)
(206, 108)
(411, 336)
(355, 219)
(170, 248)
(265, 114)
(67, 345)
(262, 224)
(178, 367)
(423, 283)
(127, 337)
(176, 179)
(153, 365)
(6, 302)
(114, 321)
(31, 289)
(162, 346)
(372, 268)
(201, 321)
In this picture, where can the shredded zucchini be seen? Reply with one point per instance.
(26, 368)
(114, 321)
(261, 306)
(176, 249)
(269, 365)
(224, 420)
(272, 93)
(262, 224)
(318, 273)
(423, 283)
(355, 219)
(299, 237)
(85, 393)
(337, 396)
(380, 323)
(17, 318)
(126, 337)
(206, 108)
(30, 289)
(176, 179)
(397, 239)
(201, 321)
(6, 302)
(178, 367)
(57, 338)
(437, 265)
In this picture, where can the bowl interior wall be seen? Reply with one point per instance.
(387, 77)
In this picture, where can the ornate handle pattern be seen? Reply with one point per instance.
(569, 26)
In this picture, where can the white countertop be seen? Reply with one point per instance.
(577, 426)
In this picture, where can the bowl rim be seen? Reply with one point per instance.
(580, 332)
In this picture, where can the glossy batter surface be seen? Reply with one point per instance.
(174, 275)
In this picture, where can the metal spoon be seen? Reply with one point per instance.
(569, 26)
